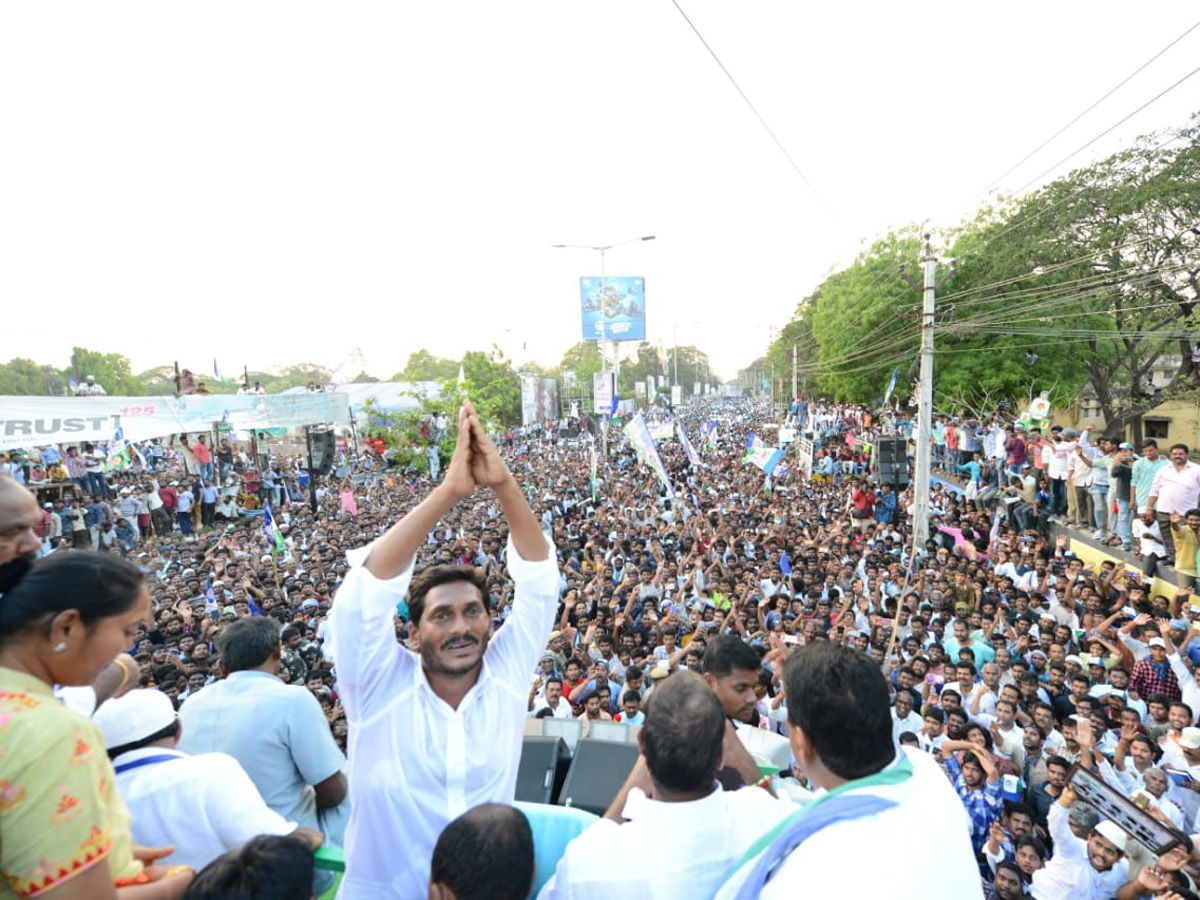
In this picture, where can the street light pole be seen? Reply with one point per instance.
(602, 249)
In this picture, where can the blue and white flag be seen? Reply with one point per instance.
(273, 535)
(643, 444)
(692, 456)
(891, 386)
(785, 564)
(710, 436)
(766, 458)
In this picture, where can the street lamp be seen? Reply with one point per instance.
(602, 249)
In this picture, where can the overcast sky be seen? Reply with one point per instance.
(272, 183)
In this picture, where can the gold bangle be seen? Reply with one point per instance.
(125, 670)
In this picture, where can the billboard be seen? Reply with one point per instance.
(614, 308)
(603, 390)
(539, 399)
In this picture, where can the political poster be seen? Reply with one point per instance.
(613, 307)
(603, 390)
(539, 399)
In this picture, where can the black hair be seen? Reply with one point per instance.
(165, 732)
(438, 575)
(98, 585)
(683, 734)
(1059, 761)
(1012, 868)
(485, 854)
(268, 867)
(248, 643)
(726, 653)
(290, 632)
(553, 679)
(631, 695)
(1032, 840)
(838, 697)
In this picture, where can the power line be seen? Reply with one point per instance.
(1110, 128)
(1124, 81)
(757, 114)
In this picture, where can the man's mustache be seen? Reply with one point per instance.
(456, 642)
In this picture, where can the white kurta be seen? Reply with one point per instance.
(870, 857)
(415, 763)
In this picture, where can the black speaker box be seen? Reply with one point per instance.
(598, 770)
(324, 452)
(538, 769)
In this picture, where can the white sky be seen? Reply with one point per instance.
(273, 183)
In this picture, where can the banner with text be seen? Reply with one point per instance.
(35, 421)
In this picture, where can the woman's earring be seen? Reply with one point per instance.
(60, 646)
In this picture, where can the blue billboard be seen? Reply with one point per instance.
(614, 308)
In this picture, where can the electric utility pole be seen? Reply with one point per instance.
(921, 479)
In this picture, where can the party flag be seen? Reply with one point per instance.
(638, 434)
(271, 530)
(692, 456)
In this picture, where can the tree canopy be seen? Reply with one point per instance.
(1092, 281)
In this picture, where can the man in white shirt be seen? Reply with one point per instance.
(436, 732)
(672, 790)
(1081, 869)
(903, 717)
(1175, 489)
(551, 699)
(201, 805)
(868, 793)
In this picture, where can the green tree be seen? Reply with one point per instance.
(1097, 276)
(111, 371)
(582, 359)
(424, 366)
(25, 377)
(493, 386)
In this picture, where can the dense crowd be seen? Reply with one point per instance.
(999, 657)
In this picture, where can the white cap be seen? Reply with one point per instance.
(1189, 738)
(1156, 642)
(1106, 829)
(134, 717)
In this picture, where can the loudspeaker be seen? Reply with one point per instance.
(598, 770)
(538, 768)
(890, 461)
(324, 452)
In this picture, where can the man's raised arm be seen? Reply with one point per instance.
(488, 469)
(395, 551)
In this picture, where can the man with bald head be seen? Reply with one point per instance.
(672, 790)
(19, 515)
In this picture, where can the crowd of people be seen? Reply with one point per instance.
(227, 695)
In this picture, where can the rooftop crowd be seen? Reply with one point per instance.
(180, 685)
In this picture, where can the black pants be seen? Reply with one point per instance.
(1168, 539)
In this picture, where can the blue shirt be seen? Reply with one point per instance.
(983, 805)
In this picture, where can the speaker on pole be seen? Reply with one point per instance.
(324, 452)
(890, 461)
